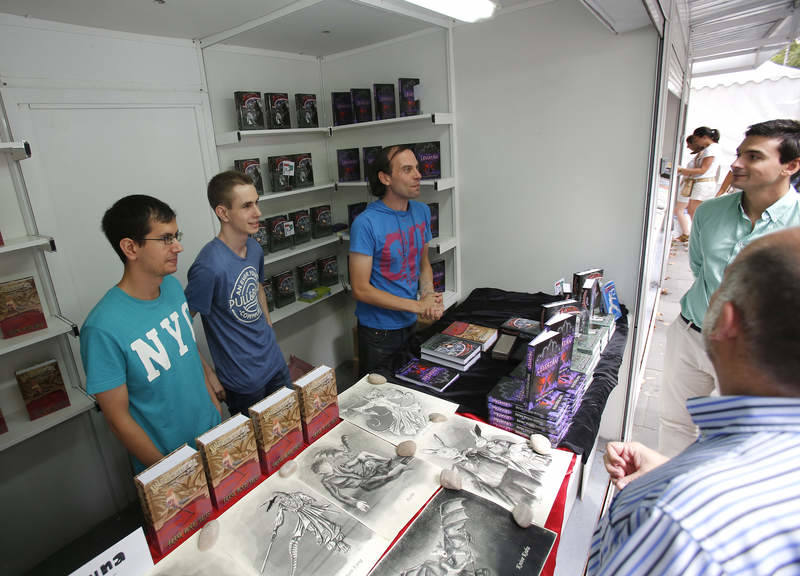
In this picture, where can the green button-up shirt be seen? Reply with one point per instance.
(720, 230)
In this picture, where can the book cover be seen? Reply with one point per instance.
(283, 288)
(430, 159)
(564, 324)
(586, 295)
(483, 335)
(434, 206)
(362, 104)
(306, 105)
(578, 279)
(303, 170)
(347, 162)
(302, 225)
(543, 361)
(610, 300)
(278, 431)
(450, 364)
(504, 347)
(567, 306)
(319, 407)
(20, 308)
(249, 110)
(281, 232)
(409, 104)
(427, 375)
(174, 497)
(42, 389)
(439, 275)
(517, 326)
(230, 460)
(321, 221)
(385, 107)
(451, 348)
(251, 167)
(281, 173)
(328, 268)
(3, 425)
(277, 110)
(269, 293)
(262, 236)
(308, 276)
(369, 154)
(354, 210)
(341, 108)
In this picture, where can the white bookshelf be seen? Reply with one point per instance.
(298, 306)
(273, 257)
(56, 326)
(27, 242)
(17, 150)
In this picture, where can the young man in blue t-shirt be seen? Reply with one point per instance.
(389, 260)
(225, 287)
(137, 345)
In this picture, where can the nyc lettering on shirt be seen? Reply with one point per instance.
(158, 354)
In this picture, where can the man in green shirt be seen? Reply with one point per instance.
(765, 163)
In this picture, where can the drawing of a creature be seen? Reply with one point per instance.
(392, 410)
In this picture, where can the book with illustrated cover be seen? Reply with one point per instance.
(567, 306)
(439, 270)
(20, 308)
(281, 173)
(428, 375)
(174, 497)
(451, 348)
(362, 104)
(319, 407)
(283, 288)
(42, 389)
(481, 334)
(281, 232)
(369, 154)
(429, 157)
(434, 206)
(279, 433)
(409, 104)
(587, 295)
(385, 107)
(306, 106)
(610, 300)
(564, 324)
(543, 361)
(301, 220)
(523, 327)
(230, 460)
(249, 110)
(347, 162)
(251, 167)
(277, 110)
(269, 293)
(308, 276)
(341, 108)
(354, 210)
(321, 221)
(262, 236)
(303, 171)
(328, 268)
(578, 278)
(449, 364)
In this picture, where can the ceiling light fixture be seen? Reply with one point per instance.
(464, 10)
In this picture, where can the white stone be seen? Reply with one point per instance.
(450, 479)
(376, 379)
(406, 448)
(208, 535)
(288, 469)
(540, 444)
(523, 514)
(437, 417)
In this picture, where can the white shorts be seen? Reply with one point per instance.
(702, 191)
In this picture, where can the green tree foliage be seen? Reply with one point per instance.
(793, 59)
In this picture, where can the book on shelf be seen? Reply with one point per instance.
(328, 267)
(321, 221)
(278, 431)
(567, 306)
(564, 324)
(230, 459)
(482, 335)
(249, 110)
(341, 108)
(251, 167)
(21, 310)
(303, 170)
(319, 407)
(314, 294)
(269, 293)
(281, 232)
(277, 104)
(610, 300)
(348, 166)
(281, 173)
(301, 220)
(543, 361)
(307, 276)
(42, 389)
(385, 107)
(174, 496)
(429, 157)
(353, 210)
(579, 280)
(369, 154)
(434, 206)
(283, 288)
(306, 106)
(451, 348)
(262, 235)
(447, 363)
(362, 104)
(407, 91)
(427, 375)
(521, 327)
(3, 424)
(439, 270)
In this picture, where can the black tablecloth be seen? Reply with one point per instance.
(491, 307)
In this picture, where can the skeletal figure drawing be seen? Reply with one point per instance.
(391, 410)
(341, 470)
(312, 517)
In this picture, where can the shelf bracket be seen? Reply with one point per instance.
(73, 327)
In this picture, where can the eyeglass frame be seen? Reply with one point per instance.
(168, 239)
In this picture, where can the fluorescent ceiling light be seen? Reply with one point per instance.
(465, 10)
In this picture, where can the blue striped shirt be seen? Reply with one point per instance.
(728, 504)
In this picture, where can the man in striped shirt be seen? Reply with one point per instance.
(729, 503)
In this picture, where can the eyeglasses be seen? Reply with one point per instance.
(168, 239)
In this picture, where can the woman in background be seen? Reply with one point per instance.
(685, 192)
(706, 170)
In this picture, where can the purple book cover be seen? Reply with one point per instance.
(362, 104)
(439, 272)
(429, 158)
(543, 361)
(385, 107)
(369, 154)
(341, 108)
(409, 105)
(426, 374)
(434, 206)
(348, 163)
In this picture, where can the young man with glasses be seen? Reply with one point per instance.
(137, 344)
(225, 287)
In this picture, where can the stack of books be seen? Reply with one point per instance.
(319, 406)
(573, 385)
(521, 327)
(451, 352)
(479, 334)
(428, 375)
(509, 410)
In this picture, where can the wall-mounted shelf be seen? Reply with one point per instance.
(305, 247)
(273, 195)
(280, 313)
(56, 326)
(443, 244)
(25, 242)
(438, 118)
(18, 150)
(440, 184)
(237, 136)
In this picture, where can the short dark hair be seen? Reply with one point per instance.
(690, 139)
(712, 133)
(221, 186)
(383, 163)
(787, 130)
(131, 217)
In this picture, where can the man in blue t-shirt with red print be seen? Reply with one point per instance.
(389, 260)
